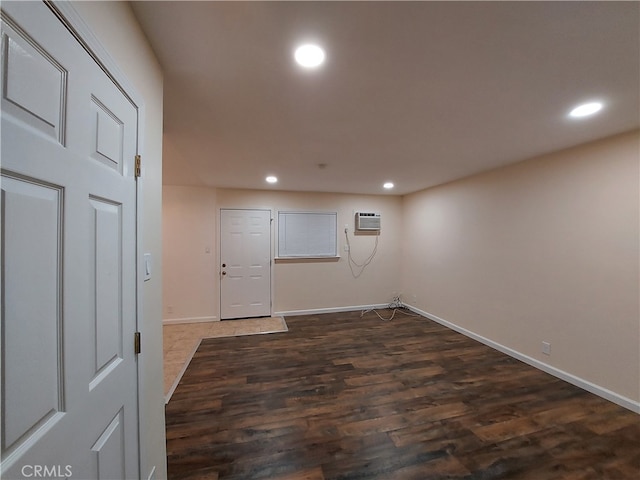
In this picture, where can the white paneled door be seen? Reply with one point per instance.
(69, 379)
(245, 263)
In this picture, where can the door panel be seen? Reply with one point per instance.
(35, 87)
(32, 386)
(108, 457)
(106, 287)
(245, 252)
(108, 134)
(69, 138)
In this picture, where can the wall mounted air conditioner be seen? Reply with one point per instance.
(366, 221)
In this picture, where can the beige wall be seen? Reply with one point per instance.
(116, 28)
(189, 253)
(309, 285)
(323, 285)
(543, 250)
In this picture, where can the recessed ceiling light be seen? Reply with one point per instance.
(388, 185)
(585, 109)
(309, 55)
(271, 179)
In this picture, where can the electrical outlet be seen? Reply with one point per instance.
(170, 309)
(346, 227)
(546, 348)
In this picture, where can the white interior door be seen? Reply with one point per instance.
(245, 263)
(69, 380)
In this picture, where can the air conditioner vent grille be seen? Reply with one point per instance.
(367, 221)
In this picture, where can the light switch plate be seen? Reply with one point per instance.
(147, 266)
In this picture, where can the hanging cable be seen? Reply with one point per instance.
(353, 263)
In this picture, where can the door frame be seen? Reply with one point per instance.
(218, 275)
(73, 21)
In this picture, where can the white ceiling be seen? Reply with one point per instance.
(418, 93)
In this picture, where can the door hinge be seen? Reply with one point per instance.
(136, 342)
(138, 167)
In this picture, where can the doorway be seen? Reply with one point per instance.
(245, 263)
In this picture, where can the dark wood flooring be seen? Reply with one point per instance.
(344, 397)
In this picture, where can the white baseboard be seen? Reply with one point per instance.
(316, 311)
(605, 393)
(170, 321)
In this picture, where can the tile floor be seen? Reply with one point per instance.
(182, 340)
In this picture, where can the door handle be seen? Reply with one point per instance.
(224, 273)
